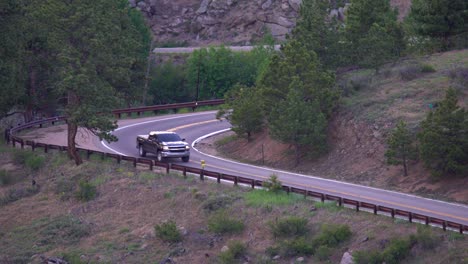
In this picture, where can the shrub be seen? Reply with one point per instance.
(5, 178)
(410, 72)
(20, 157)
(222, 223)
(296, 246)
(424, 237)
(218, 202)
(290, 226)
(426, 68)
(332, 235)
(273, 184)
(16, 194)
(86, 191)
(263, 198)
(396, 251)
(64, 188)
(366, 257)
(323, 252)
(34, 162)
(63, 230)
(235, 252)
(168, 232)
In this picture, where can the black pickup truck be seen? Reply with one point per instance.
(163, 144)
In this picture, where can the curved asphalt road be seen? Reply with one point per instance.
(197, 125)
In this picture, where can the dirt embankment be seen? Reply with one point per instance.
(356, 155)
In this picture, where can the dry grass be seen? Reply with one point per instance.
(118, 225)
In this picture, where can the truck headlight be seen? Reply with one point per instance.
(187, 147)
(165, 148)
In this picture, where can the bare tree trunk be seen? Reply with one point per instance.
(72, 153)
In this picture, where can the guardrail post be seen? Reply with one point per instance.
(33, 146)
(134, 162)
(375, 209)
(22, 143)
(358, 204)
(7, 136)
(461, 229)
(322, 197)
(184, 172)
(46, 148)
(340, 201)
(444, 225)
(218, 178)
(253, 184)
(167, 168)
(428, 219)
(236, 180)
(151, 166)
(410, 217)
(202, 176)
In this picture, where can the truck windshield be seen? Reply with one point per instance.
(169, 137)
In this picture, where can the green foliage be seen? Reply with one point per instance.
(64, 188)
(168, 232)
(427, 68)
(289, 227)
(400, 147)
(443, 138)
(425, 238)
(323, 252)
(16, 194)
(214, 203)
(410, 72)
(169, 84)
(459, 78)
(234, 254)
(332, 235)
(5, 178)
(243, 110)
(440, 19)
(320, 34)
(20, 156)
(86, 191)
(373, 33)
(296, 246)
(35, 162)
(64, 230)
(394, 253)
(273, 184)
(223, 223)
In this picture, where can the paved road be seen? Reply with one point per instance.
(196, 125)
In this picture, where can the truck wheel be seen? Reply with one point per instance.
(186, 159)
(141, 151)
(159, 157)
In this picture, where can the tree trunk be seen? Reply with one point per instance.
(297, 154)
(405, 167)
(72, 153)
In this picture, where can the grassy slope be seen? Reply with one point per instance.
(118, 225)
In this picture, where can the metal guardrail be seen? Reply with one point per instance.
(322, 196)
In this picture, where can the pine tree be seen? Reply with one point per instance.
(367, 22)
(400, 147)
(444, 138)
(440, 19)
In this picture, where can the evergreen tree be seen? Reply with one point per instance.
(400, 149)
(94, 45)
(243, 110)
(444, 138)
(440, 19)
(367, 21)
(320, 33)
(12, 70)
(299, 122)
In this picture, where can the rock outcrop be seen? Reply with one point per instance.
(230, 22)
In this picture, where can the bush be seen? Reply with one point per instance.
(235, 252)
(354, 83)
(63, 230)
(410, 72)
(424, 237)
(426, 68)
(332, 235)
(396, 251)
(34, 162)
(273, 184)
(291, 226)
(64, 188)
(323, 252)
(20, 157)
(222, 223)
(16, 194)
(296, 246)
(86, 191)
(5, 178)
(168, 232)
(218, 202)
(366, 257)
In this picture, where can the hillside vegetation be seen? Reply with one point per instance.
(105, 213)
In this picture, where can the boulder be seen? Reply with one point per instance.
(347, 258)
(277, 30)
(224, 249)
(203, 7)
(266, 4)
(295, 4)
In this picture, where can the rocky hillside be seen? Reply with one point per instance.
(238, 22)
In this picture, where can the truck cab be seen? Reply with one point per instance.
(163, 144)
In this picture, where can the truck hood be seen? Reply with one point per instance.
(175, 143)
